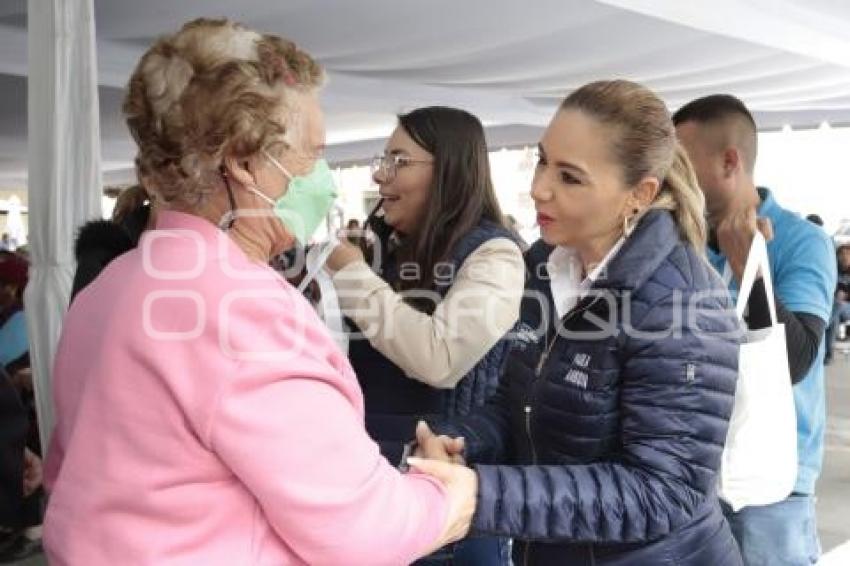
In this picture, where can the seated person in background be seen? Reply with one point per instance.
(20, 449)
(13, 433)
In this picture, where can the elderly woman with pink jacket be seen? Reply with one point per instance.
(204, 414)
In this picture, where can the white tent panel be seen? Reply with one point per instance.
(508, 62)
(64, 178)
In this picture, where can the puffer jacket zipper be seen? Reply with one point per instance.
(538, 371)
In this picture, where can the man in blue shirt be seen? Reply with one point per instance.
(719, 134)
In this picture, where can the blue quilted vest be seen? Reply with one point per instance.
(394, 402)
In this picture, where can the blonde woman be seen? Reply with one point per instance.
(603, 444)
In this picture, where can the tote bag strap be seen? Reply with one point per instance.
(757, 261)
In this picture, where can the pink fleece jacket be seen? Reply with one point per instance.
(205, 416)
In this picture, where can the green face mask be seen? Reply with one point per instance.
(307, 200)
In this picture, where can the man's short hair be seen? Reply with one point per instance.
(731, 114)
(713, 108)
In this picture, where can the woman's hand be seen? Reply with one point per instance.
(461, 485)
(344, 254)
(433, 447)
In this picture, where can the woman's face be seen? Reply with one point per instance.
(406, 192)
(578, 189)
(307, 147)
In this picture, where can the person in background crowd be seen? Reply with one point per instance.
(354, 233)
(14, 544)
(353, 224)
(720, 136)
(841, 302)
(22, 514)
(14, 343)
(101, 241)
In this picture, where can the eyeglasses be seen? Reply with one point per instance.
(389, 165)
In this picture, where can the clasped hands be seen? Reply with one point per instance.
(442, 458)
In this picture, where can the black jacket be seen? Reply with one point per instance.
(101, 241)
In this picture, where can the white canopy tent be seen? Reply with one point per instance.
(509, 62)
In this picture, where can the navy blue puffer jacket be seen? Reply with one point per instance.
(603, 443)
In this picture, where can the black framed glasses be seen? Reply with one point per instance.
(389, 165)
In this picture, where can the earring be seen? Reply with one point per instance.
(628, 225)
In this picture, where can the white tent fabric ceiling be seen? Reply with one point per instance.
(508, 61)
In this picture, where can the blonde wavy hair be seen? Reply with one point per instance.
(645, 145)
(213, 89)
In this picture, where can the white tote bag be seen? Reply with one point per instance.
(759, 463)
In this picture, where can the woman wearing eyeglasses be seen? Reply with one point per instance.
(447, 280)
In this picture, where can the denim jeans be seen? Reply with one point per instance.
(783, 533)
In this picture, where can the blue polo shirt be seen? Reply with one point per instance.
(803, 268)
(13, 338)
